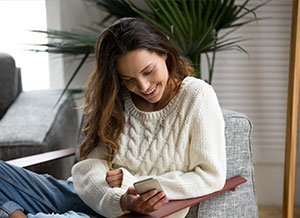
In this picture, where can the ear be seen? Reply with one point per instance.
(165, 56)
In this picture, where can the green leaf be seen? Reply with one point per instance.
(198, 26)
(193, 11)
(186, 12)
(252, 10)
(198, 43)
(178, 13)
(206, 16)
(154, 22)
(240, 8)
(169, 16)
(157, 13)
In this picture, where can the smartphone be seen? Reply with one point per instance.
(147, 185)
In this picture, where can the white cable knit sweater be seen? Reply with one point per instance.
(182, 145)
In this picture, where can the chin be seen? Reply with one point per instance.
(154, 101)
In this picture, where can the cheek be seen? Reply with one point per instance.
(165, 74)
(164, 70)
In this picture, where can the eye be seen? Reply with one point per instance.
(131, 80)
(148, 72)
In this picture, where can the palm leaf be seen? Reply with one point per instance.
(153, 21)
(68, 42)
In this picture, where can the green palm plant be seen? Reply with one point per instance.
(196, 27)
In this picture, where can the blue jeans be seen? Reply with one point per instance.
(38, 195)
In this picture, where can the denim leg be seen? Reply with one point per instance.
(34, 193)
(8, 208)
(65, 215)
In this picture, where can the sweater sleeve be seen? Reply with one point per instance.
(207, 154)
(90, 185)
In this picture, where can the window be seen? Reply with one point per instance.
(17, 17)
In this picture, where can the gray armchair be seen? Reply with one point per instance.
(237, 203)
(240, 203)
(31, 123)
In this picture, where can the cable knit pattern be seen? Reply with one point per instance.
(182, 145)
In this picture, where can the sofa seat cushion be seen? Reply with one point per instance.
(35, 124)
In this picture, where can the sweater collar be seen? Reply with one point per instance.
(132, 110)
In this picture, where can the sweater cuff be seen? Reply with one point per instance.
(128, 179)
(116, 204)
(111, 207)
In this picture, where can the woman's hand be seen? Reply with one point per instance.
(114, 178)
(145, 203)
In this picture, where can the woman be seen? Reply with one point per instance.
(146, 117)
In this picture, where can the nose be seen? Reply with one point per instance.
(143, 84)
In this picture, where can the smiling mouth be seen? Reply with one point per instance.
(151, 91)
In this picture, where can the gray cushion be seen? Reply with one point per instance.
(241, 202)
(33, 124)
(10, 85)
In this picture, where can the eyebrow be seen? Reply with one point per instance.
(144, 69)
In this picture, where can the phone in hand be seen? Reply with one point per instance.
(147, 185)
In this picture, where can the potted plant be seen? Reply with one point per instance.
(197, 27)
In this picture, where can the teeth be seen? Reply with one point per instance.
(152, 90)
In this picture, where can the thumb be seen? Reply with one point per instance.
(132, 191)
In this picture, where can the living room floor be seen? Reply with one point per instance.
(275, 211)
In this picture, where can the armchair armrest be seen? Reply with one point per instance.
(177, 205)
(42, 158)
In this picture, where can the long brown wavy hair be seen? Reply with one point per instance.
(103, 105)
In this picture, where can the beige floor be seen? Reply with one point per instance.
(275, 212)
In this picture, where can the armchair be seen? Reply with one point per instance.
(31, 123)
(242, 202)
(238, 203)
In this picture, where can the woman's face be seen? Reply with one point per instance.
(144, 73)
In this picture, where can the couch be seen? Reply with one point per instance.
(31, 122)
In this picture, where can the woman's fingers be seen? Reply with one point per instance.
(115, 184)
(156, 199)
(145, 203)
(114, 178)
(114, 172)
(151, 201)
(147, 196)
(160, 203)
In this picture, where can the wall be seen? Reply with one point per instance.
(255, 85)
(70, 15)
